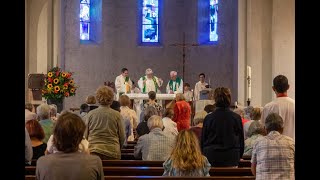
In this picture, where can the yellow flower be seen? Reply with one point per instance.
(56, 80)
(72, 90)
(71, 81)
(65, 86)
(49, 86)
(56, 88)
(50, 74)
(63, 74)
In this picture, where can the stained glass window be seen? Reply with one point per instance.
(84, 19)
(213, 20)
(150, 20)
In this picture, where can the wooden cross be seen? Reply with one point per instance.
(184, 45)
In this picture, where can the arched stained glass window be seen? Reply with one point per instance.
(84, 19)
(150, 21)
(213, 15)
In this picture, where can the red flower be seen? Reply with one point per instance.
(50, 80)
(57, 73)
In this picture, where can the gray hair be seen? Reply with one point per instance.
(43, 111)
(155, 121)
(53, 109)
(150, 111)
(199, 117)
(255, 128)
(240, 111)
(274, 122)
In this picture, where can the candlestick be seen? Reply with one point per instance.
(249, 82)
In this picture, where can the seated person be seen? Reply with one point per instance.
(53, 112)
(198, 122)
(91, 101)
(36, 134)
(84, 109)
(255, 131)
(209, 108)
(155, 146)
(186, 158)
(69, 163)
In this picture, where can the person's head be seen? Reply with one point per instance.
(209, 108)
(180, 97)
(173, 75)
(186, 87)
(222, 97)
(149, 73)
(199, 117)
(155, 121)
(255, 114)
(202, 76)
(186, 154)
(43, 111)
(104, 95)
(124, 100)
(84, 108)
(169, 113)
(28, 106)
(35, 130)
(280, 84)
(53, 110)
(150, 111)
(256, 128)
(115, 105)
(124, 72)
(152, 95)
(240, 111)
(274, 122)
(68, 132)
(90, 99)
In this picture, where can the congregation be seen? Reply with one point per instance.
(188, 144)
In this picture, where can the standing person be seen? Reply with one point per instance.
(222, 140)
(175, 85)
(27, 148)
(91, 101)
(282, 105)
(104, 131)
(149, 82)
(186, 158)
(69, 163)
(43, 112)
(273, 154)
(201, 85)
(182, 112)
(188, 93)
(128, 115)
(36, 134)
(123, 83)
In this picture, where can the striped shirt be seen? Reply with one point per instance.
(274, 157)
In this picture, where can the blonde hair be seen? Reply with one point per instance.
(124, 100)
(91, 99)
(186, 155)
(199, 117)
(104, 95)
(180, 97)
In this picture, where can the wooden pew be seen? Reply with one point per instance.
(33, 177)
(127, 150)
(158, 171)
(135, 163)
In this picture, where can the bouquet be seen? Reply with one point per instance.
(58, 84)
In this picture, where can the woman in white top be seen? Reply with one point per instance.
(128, 115)
(170, 127)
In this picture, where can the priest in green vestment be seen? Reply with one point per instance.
(175, 85)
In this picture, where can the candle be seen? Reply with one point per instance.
(249, 81)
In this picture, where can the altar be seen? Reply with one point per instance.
(146, 97)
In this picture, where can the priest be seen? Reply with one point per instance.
(149, 82)
(175, 85)
(123, 83)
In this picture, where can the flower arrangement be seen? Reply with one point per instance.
(58, 84)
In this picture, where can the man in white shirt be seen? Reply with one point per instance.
(201, 85)
(123, 83)
(149, 82)
(282, 105)
(175, 85)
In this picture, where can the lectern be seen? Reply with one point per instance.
(35, 84)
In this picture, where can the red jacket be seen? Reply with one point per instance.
(182, 115)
